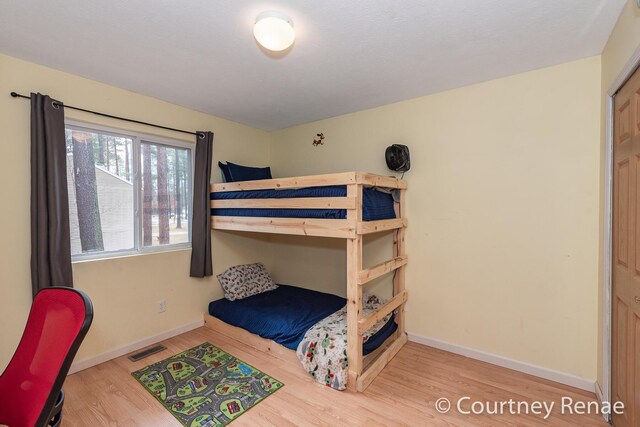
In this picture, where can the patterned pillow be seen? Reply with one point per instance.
(241, 281)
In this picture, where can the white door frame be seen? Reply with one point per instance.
(632, 64)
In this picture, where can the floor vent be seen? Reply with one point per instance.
(146, 353)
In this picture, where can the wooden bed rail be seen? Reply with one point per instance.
(291, 203)
(342, 178)
(337, 228)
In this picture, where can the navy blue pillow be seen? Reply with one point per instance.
(247, 173)
(225, 172)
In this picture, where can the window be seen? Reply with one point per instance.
(128, 193)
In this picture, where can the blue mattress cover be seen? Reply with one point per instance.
(376, 205)
(285, 314)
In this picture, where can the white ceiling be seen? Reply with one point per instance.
(348, 55)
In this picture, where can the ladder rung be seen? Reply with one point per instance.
(368, 227)
(381, 269)
(373, 318)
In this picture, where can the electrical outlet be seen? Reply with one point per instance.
(161, 306)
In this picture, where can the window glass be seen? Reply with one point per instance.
(101, 205)
(165, 195)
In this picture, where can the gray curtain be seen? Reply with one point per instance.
(201, 264)
(50, 238)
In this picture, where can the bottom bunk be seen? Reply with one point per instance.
(308, 327)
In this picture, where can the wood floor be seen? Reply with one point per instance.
(403, 394)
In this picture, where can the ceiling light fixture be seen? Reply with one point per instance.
(274, 30)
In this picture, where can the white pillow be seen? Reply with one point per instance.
(241, 281)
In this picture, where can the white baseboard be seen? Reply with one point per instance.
(121, 351)
(598, 392)
(505, 362)
(600, 398)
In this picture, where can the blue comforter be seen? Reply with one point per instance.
(284, 315)
(376, 205)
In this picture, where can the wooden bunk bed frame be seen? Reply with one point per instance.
(362, 370)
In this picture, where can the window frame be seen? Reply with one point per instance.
(138, 139)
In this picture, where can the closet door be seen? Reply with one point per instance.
(625, 361)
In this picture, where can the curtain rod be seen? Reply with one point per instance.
(199, 134)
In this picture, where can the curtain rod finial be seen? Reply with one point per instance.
(15, 95)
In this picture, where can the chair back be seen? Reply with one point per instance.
(30, 385)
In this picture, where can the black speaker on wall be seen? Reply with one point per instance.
(397, 157)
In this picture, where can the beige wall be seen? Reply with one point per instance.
(502, 207)
(124, 290)
(624, 40)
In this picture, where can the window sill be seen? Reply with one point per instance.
(76, 259)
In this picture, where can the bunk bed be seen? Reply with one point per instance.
(335, 210)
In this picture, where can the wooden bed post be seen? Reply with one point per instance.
(354, 292)
(399, 251)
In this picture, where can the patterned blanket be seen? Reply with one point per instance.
(323, 350)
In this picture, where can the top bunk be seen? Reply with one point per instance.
(340, 205)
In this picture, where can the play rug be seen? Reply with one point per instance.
(206, 387)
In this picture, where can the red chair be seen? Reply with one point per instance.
(31, 386)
